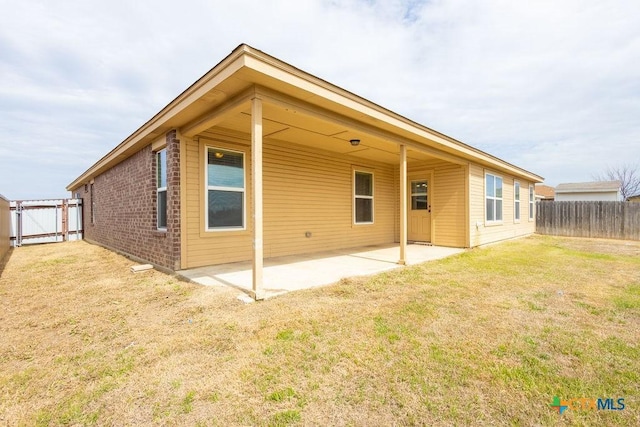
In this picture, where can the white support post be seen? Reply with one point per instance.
(256, 186)
(403, 204)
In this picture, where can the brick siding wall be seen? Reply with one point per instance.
(125, 207)
(173, 198)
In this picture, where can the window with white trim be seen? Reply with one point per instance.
(225, 197)
(363, 197)
(93, 204)
(493, 198)
(532, 199)
(516, 201)
(161, 189)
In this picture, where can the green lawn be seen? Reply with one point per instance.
(488, 337)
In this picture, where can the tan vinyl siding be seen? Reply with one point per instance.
(482, 233)
(311, 191)
(448, 207)
(305, 190)
(447, 200)
(213, 247)
(5, 227)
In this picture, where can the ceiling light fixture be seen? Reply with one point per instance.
(354, 142)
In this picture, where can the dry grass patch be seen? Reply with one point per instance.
(486, 337)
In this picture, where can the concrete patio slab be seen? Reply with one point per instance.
(295, 272)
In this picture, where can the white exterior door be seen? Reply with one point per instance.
(419, 211)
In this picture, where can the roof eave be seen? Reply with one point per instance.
(230, 63)
(242, 57)
(380, 113)
(611, 190)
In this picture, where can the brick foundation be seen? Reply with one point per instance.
(125, 207)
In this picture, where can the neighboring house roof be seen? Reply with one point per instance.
(589, 187)
(545, 191)
(247, 73)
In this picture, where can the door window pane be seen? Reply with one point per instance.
(418, 187)
(419, 195)
(419, 203)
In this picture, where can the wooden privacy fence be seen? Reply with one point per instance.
(612, 220)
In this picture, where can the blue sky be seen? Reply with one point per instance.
(553, 87)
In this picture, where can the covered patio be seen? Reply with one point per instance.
(295, 272)
(301, 163)
(260, 161)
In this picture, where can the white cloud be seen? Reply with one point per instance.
(550, 86)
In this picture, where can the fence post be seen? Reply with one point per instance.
(18, 223)
(65, 217)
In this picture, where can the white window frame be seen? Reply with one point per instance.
(161, 189)
(494, 198)
(208, 187)
(532, 206)
(517, 189)
(93, 203)
(359, 196)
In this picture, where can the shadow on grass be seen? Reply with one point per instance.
(5, 259)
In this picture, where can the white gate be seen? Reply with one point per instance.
(45, 221)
